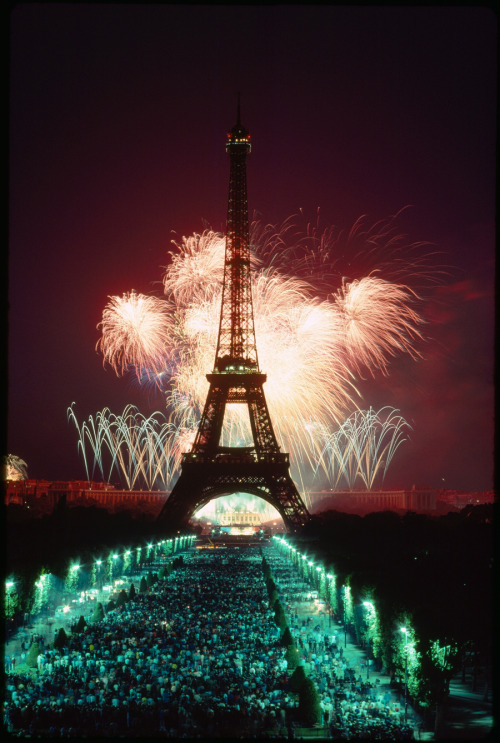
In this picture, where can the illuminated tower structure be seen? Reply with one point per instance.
(210, 470)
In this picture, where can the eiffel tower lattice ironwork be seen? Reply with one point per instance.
(210, 470)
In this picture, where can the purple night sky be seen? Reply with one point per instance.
(118, 118)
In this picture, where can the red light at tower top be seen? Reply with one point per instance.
(238, 136)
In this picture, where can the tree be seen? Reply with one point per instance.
(309, 706)
(33, 653)
(98, 613)
(122, 599)
(61, 640)
(297, 679)
(439, 663)
(286, 638)
(271, 587)
(292, 657)
(80, 625)
(273, 598)
(279, 615)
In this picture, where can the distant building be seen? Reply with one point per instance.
(42, 496)
(461, 498)
(420, 500)
(364, 501)
(230, 518)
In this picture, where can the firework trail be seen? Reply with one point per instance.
(364, 446)
(144, 452)
(324, 317)
(325, 257)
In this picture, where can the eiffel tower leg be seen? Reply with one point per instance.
(188, 495)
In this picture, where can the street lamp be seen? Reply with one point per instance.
(318, 576)
(8, 586)
(405, 632)
(309, 573)
(74, 572)
(98, 574)
(369, 607)
(345, 617)
(329, 593)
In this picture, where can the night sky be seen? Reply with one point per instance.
(118, 118)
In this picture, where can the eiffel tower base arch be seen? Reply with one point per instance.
(202, 481)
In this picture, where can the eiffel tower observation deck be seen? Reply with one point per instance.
(210, 469)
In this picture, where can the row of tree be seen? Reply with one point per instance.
(415, 591)
(57, 537)
(44, 578)
(300, 683)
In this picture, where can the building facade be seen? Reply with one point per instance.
(42, 496)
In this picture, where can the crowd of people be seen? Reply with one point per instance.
(196, 656)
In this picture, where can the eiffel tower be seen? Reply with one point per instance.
(210, 470)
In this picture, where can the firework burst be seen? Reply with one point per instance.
(136, 332)
(14, 468)
(321, 324)
(379, 322)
